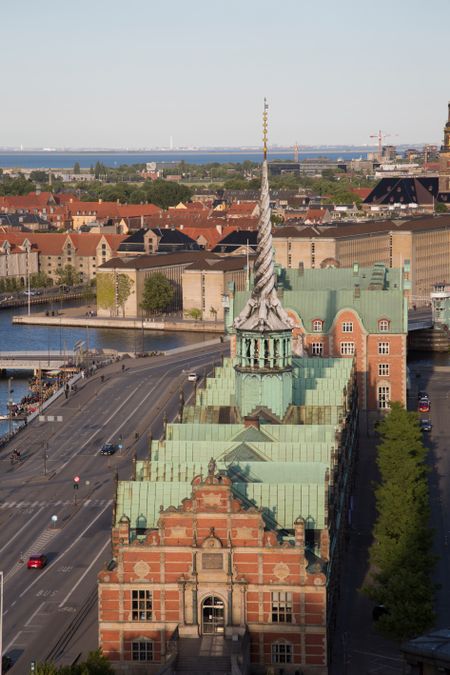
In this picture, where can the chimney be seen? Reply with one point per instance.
(301, 269)
(357, 291)
(250, 421)
(355, 269)
(100, 201)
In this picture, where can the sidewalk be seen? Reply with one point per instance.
(358, 649)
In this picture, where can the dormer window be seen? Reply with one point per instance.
(383, 325)
(317, 325)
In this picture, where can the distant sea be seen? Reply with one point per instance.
(66, 160)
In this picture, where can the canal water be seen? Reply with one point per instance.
(17, 337)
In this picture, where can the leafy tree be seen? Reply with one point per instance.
(95, 664)
(67, 275)
(113, 290)
(401, 554)
(213, 311)
(40, 280)
(194, 313)
(76, 168)
(164, 193)
(39, 176)
(158, 293)
(440, 207)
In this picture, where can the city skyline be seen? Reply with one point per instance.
(194, 76)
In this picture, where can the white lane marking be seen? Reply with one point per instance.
(21, 529)
(58, 558)
(113, 414)
(34, 614)
(107, 543)
(8, 646)
(35, 548)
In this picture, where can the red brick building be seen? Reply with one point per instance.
(232, 579)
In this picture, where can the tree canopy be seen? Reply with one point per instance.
(67, 275)
(401, 555)
(95, 664)
(158, 293)
(113, 290)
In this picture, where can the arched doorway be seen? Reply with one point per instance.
(213, 616)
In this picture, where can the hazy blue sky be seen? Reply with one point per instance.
(132, 74)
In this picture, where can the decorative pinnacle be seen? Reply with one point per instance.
(265, 116)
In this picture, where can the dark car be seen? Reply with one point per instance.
(425, 425)
(108, 449)
(422, 395)
(6, 663)
(36, 562)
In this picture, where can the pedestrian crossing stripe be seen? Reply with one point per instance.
(67, 502)
(36, 548)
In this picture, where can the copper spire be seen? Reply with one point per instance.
(263, 310)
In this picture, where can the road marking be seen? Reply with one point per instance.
(8, 646)
(58, 558)
(35, 548)
(19, 531)
(34, 614)
(108, 542)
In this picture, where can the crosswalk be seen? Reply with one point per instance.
(36, 548)
(42, 504)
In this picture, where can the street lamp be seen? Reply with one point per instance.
(27, 250)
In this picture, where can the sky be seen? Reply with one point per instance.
(109, 73)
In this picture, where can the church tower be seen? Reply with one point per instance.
(444, 159)
(263, 328)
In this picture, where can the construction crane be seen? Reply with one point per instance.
(381, 136)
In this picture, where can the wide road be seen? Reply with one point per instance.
(46, 611)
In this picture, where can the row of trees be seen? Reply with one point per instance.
(95, 664)
(401, 555)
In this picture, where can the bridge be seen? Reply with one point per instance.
(420, 319)
(36, 360)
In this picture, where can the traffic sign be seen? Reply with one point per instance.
(54, 518)
(76, 479)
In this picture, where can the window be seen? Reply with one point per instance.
(383, 347)
(384, 396)
(347, 326)
(317, 325)
(383, 325)
(317, 348)
(142, 650)
(141, 605)
(347, 348)
(383, 369)
(281, 607)
(281, 652)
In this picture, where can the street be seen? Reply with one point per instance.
(47, 611)
(358, 649)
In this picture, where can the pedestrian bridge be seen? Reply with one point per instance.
(36, 360)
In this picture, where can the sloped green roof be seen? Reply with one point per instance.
(282, 503)
(321, 293)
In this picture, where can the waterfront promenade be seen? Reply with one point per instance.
(78, 317)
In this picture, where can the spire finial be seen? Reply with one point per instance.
(265, 116)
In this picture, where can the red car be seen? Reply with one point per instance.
(424, 406)
(36, 562)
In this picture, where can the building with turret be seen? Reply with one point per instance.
(444, 159)
(228, 540)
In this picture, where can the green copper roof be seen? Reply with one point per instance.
(321, 293)
(282, 503)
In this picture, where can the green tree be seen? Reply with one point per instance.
(158, 293)
(113, 290)
(194, 313)
(95, 664)
(76, 168)
(39, 176)
(440, 207)
(164, 193)
(67, 275)
(40, 280)
(401, 554)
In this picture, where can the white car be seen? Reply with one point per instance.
(192, 377)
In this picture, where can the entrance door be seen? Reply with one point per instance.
(213, 616)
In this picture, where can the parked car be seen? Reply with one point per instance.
(424, 405)
(6, 663)
(378, 611)
(108, 449)
(37, 562)
(192, 377)
(423, 396)
(425, 425)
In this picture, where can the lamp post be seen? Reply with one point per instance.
(10, 405)
(27, 249)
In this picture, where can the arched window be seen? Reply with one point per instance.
(317, 325)
(383, 325)
(282, 652)
(142, 649)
